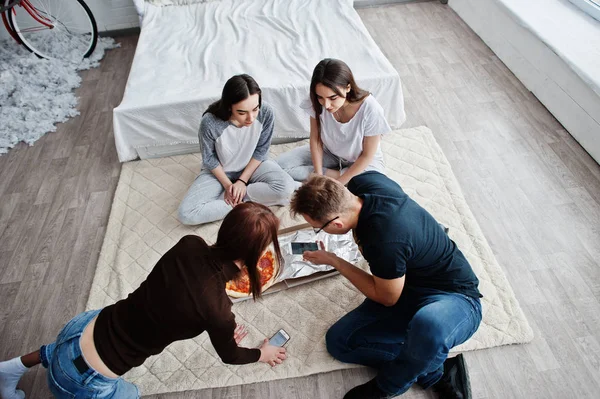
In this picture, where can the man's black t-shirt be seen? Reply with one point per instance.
(398, 237)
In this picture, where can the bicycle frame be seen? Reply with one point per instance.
(35, 14)
(3, 12)
(28, 25)
(31, 10)
(9, 6)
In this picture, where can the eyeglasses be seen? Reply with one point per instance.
(317, 231)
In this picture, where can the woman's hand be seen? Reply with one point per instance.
(239, 333)
(273, 355)
(234, 193)
(320, 257)
(228, 197)
(238, 191)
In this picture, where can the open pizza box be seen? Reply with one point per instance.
(294, 282)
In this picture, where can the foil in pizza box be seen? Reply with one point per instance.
(294, 266)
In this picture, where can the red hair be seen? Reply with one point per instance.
(244, 235)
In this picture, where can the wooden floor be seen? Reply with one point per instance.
(533, 189)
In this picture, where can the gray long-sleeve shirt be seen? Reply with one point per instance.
(223, 143)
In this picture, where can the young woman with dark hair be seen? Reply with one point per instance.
(235, 136)
(183, 296)
(344, 140)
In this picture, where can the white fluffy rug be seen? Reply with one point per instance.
(35, 93)
(143, 226)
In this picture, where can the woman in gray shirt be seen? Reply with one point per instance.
(235, 136)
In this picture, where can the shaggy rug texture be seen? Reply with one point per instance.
(36, 93)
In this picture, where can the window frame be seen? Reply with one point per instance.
(590, 7)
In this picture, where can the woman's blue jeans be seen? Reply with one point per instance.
(69, 376)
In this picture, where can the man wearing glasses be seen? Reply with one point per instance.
(422, 295)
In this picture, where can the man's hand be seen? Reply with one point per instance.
(320, 257)
(240, 333)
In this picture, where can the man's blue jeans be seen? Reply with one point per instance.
(407, 342)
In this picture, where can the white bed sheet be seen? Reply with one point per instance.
(186, 53)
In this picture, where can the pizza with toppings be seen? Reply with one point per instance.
(267, 267)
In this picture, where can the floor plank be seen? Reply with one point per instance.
(533, 189)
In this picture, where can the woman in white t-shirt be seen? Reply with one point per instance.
(346, 124)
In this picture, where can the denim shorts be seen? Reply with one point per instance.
(69, 375)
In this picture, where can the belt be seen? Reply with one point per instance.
(80, 364)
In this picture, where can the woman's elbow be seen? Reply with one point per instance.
(229, 359)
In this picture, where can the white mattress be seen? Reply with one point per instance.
(186, 53)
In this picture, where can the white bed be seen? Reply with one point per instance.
(186, 53)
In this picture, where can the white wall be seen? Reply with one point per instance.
(113, 14)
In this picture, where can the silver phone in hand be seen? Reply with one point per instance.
(298, 248)
(280, 338)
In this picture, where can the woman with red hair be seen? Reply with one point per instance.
(183, 296)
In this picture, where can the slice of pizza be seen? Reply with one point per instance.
(267, 268)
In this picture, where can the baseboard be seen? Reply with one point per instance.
(120, 32)
(375, 3)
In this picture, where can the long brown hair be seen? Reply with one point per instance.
(236, 89)
(334, 74)
(244, 234)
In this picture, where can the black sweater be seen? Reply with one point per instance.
(183, 296)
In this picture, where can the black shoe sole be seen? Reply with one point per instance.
(465, 381)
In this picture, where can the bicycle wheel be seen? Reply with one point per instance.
(55, 29)
(8, 26)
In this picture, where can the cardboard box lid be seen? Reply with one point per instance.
(294, 282)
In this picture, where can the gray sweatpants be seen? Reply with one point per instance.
(298, 163)
(204, 202)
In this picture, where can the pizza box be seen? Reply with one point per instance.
(292, 282)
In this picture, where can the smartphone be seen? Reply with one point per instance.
(298, 248)
(280, 338)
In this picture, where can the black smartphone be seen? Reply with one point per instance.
(298, 248)
(280, 338)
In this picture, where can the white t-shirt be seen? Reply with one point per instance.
(345, 140)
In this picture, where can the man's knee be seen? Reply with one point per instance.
(427, 337)
(335, 341)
